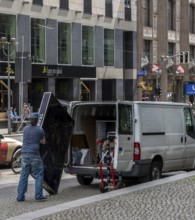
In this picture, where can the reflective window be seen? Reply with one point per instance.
(108, 8)
(146, 10)
(125, 119)
(64, 43)
(8, 30)
(170, 14)
(87, 45)
(38, 2)
(147, 46)
(87, 6)
(38, 40)
(108, 47)
(192, 19)
(189, 121)
(64, 4)
(128, 10)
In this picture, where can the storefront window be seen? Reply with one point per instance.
(108, 47)
(38, 40)
(36, 90)
(64, 43)
(87, 46)
(64, 88)
(8, 30)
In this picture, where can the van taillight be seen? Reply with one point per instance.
(137, 151)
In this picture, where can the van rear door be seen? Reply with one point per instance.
(123, 159)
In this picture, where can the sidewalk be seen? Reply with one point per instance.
(168, 198)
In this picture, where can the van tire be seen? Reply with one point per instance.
(84, 180)
(155, 171)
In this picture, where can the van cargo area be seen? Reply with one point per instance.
(92, 122)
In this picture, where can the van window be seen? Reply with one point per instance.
(125, 119)
(189, 121)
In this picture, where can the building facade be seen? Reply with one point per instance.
(79, 50)
(164, 29)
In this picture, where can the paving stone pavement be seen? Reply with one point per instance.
(171, 198)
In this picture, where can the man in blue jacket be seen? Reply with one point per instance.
(31, 162)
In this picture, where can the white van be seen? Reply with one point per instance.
(150, 138)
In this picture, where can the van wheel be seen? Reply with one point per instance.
(84, 180)
(155, 171)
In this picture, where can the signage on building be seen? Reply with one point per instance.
(190, 89)
(51, 71)
(141, 72)
(179, 69)
(155, 68)
(59, 71)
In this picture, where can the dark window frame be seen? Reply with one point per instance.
(87, 6)
(108, 9)
(38, 2)
(147, 12)
(128, 10)
(170, 12)
(64, 4)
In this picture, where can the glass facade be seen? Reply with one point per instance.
(108, 47)
(87, 45)
(38, 40)
(8, 30)
(64, 43)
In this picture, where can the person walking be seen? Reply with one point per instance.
(26, 112)
(31, 162)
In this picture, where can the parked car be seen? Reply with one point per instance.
(10, 153)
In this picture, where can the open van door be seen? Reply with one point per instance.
(124, 146)
(58, 126)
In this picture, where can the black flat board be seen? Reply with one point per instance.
(58, 125)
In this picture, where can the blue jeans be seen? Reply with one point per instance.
(31, 163)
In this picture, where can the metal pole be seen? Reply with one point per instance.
(22, 76)
(9, 104)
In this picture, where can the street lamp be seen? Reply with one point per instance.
(7, 44)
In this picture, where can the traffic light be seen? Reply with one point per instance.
(158, 91)
(184, 57)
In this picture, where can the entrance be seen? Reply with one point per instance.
(87, 90)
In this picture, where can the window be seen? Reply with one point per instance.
(108, 8)
(87, 45)
(147, 45)
(128, 10)
(87, 7)
(108, 47)
(170, 14)
(125, 119)
(192, 58)
(170, 49)
(8, 30)
(64, 43)
(192, 52)
(64, 4)
(146, 8)
(192, 19)
(38, 2)
(189, 122)
(169, 64)
(38, 40)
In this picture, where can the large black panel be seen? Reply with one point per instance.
(58, 125)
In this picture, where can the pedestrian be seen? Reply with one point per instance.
(26, 112)
(31, 160)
